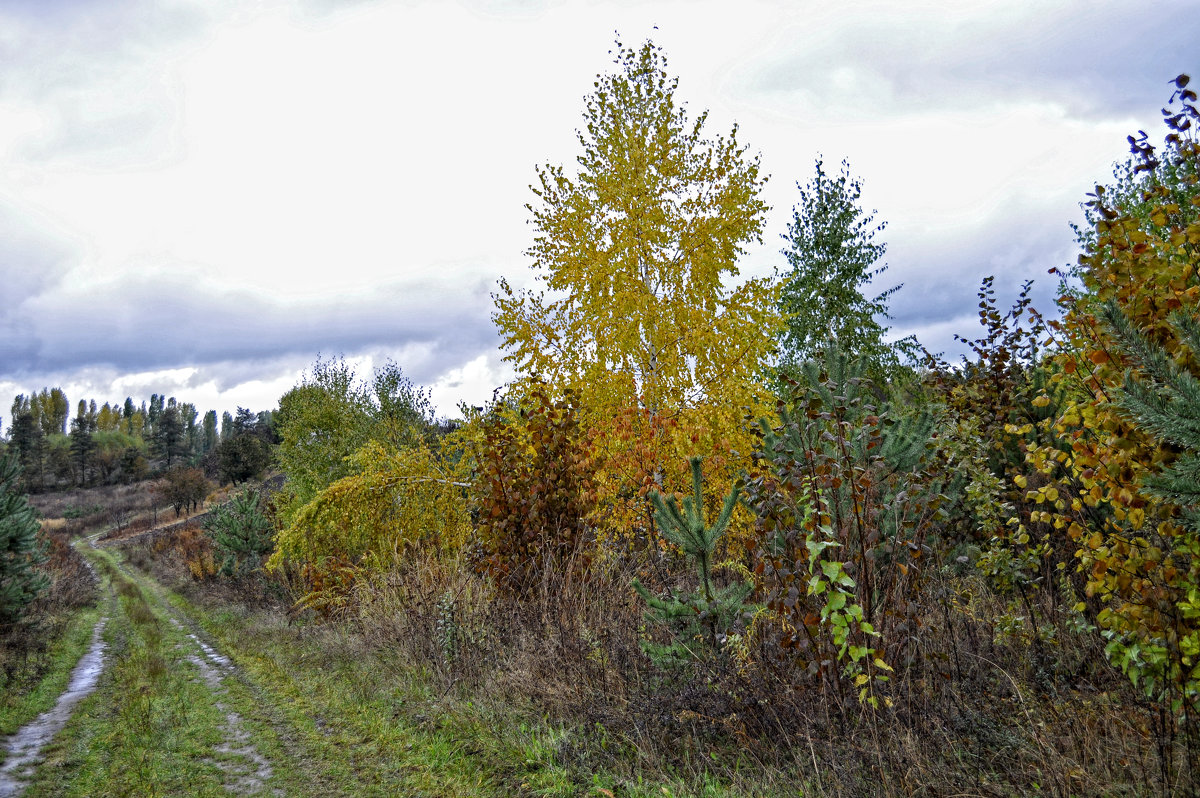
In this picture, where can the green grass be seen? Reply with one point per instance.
(151, 726)
(389, 728)
(349, 713)
(333, 715)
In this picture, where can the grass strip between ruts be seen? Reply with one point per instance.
(152, 726)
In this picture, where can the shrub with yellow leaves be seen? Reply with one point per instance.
(393, 498)
(1135, 555)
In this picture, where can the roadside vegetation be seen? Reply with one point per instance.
(722, 536)
(47, 606)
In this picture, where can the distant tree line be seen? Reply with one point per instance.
(121, 442)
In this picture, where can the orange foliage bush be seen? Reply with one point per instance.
(533, 494)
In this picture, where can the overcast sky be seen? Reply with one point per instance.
(199, 197)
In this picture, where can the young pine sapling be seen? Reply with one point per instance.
(708, 613)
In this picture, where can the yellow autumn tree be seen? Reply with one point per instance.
(638, 311)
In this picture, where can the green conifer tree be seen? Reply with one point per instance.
(1165, 403)
(21, 551)
(832, 253)
(241, 533)
(707, 613)
(1161, 396)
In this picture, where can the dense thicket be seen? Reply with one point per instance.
(1035, 501)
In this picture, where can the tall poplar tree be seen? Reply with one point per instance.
(83, 442)
(29, 440)
(169, 432)
(640, 313)
(53, 410)
(191, 431)
(636, 250)
(210, 438)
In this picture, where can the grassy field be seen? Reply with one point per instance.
(428, 685)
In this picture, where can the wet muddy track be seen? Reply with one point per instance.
(250, 769)
(24, 747)
(246, 769)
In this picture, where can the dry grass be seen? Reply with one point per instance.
(991, 703)
(986, 707)
(568, 645)
(121, 510)
(89, 502)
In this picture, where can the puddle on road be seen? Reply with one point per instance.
(220, 660)
(248, 769)
(23, 747)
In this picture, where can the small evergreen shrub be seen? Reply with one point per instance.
(241, 534)
(699, 621)
(1152, 621)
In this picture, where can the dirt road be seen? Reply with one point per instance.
(150, 697)
(24, 747)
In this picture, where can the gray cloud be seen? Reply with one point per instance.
(110, 384)
(942, 275)
(32, 259)
(948, 272)
(165, 322)
(32, 262)
(229, 374)
(98, 72)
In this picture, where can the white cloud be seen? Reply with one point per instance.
(473, 384)
(206, 194)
